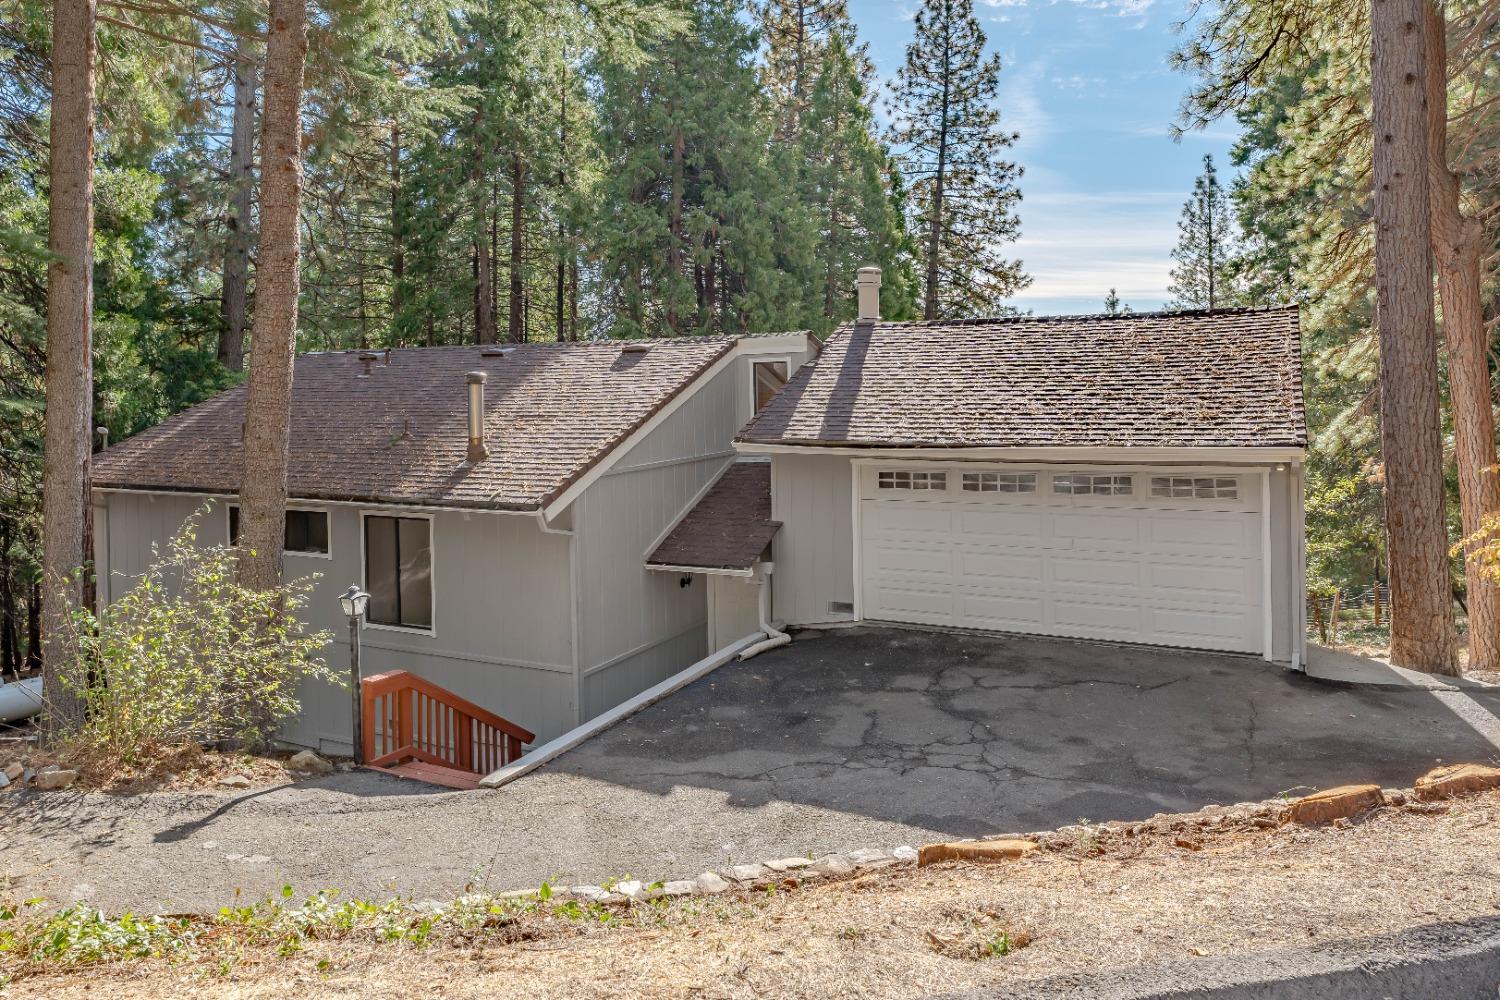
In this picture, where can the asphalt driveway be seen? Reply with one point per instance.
(858, 738)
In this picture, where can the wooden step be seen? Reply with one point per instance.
(433, 774)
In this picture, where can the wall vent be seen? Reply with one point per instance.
(841, 607)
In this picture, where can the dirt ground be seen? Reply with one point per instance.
(1093, 900)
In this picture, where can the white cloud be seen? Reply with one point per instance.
(1124, 8)
(1077, 246)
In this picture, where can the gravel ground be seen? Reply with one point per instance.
(919, 932)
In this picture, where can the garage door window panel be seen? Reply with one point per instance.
(1085, 484)
(913, 480)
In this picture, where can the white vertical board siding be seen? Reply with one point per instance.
(502, 632)
(733, 609)
(136, 521)
(500, 616)
(812, 497)
(636, 627)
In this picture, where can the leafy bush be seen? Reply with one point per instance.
(190, 655)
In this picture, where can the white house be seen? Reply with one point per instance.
(614, 511)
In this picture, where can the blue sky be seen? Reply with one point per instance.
(1087, 84)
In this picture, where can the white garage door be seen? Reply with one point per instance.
(1160, 556)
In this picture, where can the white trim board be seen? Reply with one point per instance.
(560, 745)
(1133, 456)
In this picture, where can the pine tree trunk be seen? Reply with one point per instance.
(273, 345)
(66, 507)
(34, 631)
(1458, 248)
(237, 247)
(486, 329)
(398, 229)
(1411, 444)
(8, 644)
(674, 228)
(517, 234)
(935, 223)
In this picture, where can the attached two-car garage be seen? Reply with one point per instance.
(1167, 556)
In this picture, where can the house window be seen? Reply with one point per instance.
(999, 482)
(912, 480)
(1080, 485)
(768, 377)
(1195, 487)
(306, 531)
(398, 570)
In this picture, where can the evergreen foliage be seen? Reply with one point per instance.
(963, 193)
(1204, 277)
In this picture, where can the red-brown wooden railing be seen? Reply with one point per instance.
(409, 718)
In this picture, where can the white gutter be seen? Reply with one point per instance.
(1138, 456)
(774, 636)
(318, 502)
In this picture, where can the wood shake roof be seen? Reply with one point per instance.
(1229, 378)
(399, 436)
(728, 528)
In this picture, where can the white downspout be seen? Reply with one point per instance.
(774, 636)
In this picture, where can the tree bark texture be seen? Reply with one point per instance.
(273, 343)
(66, 506)
(1458, 250)
(935, 223)
(1410, 433)
(237, 246)
(517, 325)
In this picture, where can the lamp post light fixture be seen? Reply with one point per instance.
(354, 601)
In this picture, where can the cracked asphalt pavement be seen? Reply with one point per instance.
(865, 737)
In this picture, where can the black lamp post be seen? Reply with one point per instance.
(354, 601)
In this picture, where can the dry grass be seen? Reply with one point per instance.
(1101, 897)
(185, 767)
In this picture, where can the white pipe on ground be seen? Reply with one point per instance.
(774, 636)
(20, 699)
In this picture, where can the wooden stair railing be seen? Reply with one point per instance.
(408, 718)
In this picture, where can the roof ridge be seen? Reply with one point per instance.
(1076, 317)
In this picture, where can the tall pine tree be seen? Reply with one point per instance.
(844, 176)
(963, 192)
(695, 232)
(1204, 277)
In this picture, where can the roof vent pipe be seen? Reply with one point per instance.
(477, 450)
(867, 284)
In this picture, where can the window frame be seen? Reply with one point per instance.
(767, 359)
(929, 474)
(1113, 493)
(303, 553)
(1025, 483)
(364, 569)
(1218, 485)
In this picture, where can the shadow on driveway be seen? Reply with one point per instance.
(966, 735)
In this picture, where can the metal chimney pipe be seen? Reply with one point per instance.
(867, 284)
(477, 449)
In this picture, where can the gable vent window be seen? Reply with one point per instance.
(1195, 487)
(1093, 486)
(913, 481)
(999, 482)
(768, 378)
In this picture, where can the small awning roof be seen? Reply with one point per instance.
(728, 529)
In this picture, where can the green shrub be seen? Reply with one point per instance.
(189, 655)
